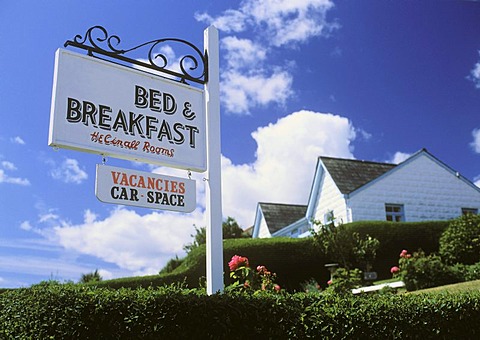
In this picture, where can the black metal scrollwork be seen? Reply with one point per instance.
(97, 40)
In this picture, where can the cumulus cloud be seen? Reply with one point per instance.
(476, 140)
(287, 152)
(8, 165)
(241, 91)
(282, 21)
(6, 178)
(140, 244)
(17, 140)
(247, 81)
(399, 157)
(69, 172)
(475, 74)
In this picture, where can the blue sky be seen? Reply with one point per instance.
(373, 80)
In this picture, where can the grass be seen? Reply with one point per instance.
(453, 288)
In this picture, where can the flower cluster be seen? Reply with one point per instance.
(237, 262)
(267, 279)
(404, 257)
(247, 279)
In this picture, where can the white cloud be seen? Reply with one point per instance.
(9, 165)
(477, 181)
(475, 74)
(242, 52)
(69, 172)
(282, 21)
(231, 20)
(17, 140)
(285, 162)
(246, 81)
(25, 225)
(476, 140)
(141, 244)
(5, 178)
(282, 172)
(399, 157)
(241, 92)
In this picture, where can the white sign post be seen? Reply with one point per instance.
(214, 179)
(112, 110)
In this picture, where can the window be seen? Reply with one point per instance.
(328, 217)
(394, 212)
(466, 211)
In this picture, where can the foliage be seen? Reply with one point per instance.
(342, 244)
(422, 271)
(91, 277)
(296, 260)
(199, 238)
(311, 286)
(72, 311)
(230, 229)
(344, 281)
(246, 279)
(460, 243)
(394, 236)
(171, 265)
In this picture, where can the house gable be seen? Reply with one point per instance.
(423, 187)
(351, 174)
(273, 217)
(336, 177)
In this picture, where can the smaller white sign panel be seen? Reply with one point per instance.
(144, 189)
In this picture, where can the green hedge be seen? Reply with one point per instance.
(82, 312)
(293, 260)
(394, 237)
(297, 260)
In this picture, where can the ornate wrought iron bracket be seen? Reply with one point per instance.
(192, 66)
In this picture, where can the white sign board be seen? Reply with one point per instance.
(144, 189)
(113, 110)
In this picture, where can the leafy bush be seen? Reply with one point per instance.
(469, 272)
(395, 236)
(422, 271)
(460, 243)
(344, 281)
(68, 311)
(344, 245)
(296, 260)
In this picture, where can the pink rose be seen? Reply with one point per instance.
(329, 282)
(394, 270)
(404, 253)
(237, 262)
(261, 269)
(277, 288)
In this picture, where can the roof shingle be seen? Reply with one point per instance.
(279, 216)
(350, 174)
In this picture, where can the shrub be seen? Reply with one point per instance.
(460, 243)
(344, 280)
(344, 245)
(422, 271)
(394, 236)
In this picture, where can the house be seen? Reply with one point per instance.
(421, 188)
(272, 218)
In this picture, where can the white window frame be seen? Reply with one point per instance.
(328, 217)
(396, 212)
(466, 211)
